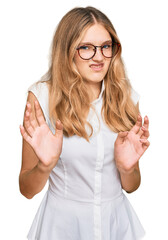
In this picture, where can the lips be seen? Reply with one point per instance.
(97, 67)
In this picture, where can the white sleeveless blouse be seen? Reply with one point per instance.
(85, 200)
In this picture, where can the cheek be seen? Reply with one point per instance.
(80, 64)
(83, 70)
(108, 65)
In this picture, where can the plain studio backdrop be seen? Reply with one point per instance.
(27, 28)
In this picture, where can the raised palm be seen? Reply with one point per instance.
(47, 146)
(130, 146)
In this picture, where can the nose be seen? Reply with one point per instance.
(98, 55)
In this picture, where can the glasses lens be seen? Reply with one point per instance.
(115, 49)
(87, 51)
(107, 50)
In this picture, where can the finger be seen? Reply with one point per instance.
(144, 133)
(144, 130)
(24, 134)
(146, 122)
(39, 113)
(59, 128)
(27, 124)
(121, 137)
(137, 125)
(145, 143)
(33, 120)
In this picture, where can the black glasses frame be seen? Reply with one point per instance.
(95, 50)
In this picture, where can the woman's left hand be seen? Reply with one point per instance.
(130, 146)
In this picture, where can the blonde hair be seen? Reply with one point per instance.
(68, 96)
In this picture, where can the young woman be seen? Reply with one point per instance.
(82, 130)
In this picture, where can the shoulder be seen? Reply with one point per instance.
(135, 96)
(39, 89)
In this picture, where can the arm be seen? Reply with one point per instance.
(131, 181)
(129, 147)
(37, 159)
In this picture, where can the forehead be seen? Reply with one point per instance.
(96, 34)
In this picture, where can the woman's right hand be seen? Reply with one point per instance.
(46, 145)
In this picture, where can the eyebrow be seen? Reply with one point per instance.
(107, 41)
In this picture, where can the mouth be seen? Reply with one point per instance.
(97, 67)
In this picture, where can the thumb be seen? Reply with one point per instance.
(121, 136)
(58, 127)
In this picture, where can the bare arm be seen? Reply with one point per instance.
(37, 159)
(131, 181)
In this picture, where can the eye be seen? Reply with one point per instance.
(106, 46)
(84, 47)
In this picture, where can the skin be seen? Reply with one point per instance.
(128, 149)
(96, 35)
(38, 161)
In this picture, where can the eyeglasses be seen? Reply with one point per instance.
(88, 51)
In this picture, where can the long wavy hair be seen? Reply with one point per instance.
(68, 95)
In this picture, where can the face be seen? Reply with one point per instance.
(95, 69)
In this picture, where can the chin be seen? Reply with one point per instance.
(98, 78)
